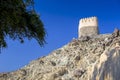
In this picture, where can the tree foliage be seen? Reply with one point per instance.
(18, 20)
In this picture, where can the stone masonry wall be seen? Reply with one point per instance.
(88, 26)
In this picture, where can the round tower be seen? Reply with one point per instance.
(88, 27)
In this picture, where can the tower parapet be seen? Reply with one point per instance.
(88, 26)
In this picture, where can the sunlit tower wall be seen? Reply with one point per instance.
(88, 27)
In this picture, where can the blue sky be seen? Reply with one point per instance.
(60, 18)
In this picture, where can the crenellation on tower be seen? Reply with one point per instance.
(88, 26)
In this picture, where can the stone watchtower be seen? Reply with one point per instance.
(88, 27)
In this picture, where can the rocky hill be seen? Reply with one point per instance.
(86, 58)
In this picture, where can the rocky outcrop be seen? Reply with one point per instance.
(109, 66)
(87, 58)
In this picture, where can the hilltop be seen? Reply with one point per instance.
(85, 58)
